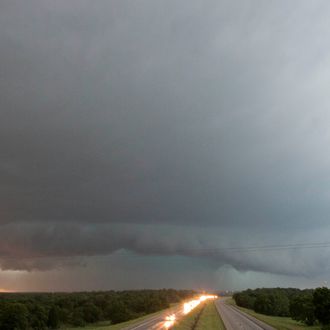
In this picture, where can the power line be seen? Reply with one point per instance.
(265, 247)
(193, 251)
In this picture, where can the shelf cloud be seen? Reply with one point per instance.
(164, 129)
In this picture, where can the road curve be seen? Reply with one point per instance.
(234, 319)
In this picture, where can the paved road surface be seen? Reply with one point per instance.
(157, 322)
(235, 319)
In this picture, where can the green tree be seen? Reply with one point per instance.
(245, 299)
(263, 304)
(302, 309)
(38, 317)
(91, 313)
(77, 318)
(117, 312)
(14, 316)
(321, 300)
(53, 321)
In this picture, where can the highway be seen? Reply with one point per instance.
(158, 322)
(167, 318)
(235, 319)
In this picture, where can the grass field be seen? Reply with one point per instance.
(280, 323)
(187, 322)
(209, 319)
(119, 326)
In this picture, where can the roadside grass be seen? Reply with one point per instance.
(187, 322)
(208, 319)
(107, 326)
(278, 322)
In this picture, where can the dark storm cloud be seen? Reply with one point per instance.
(51, 246)
(105, 120)
(205, 114)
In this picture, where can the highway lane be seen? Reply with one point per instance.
(157, 322)
(235, 319)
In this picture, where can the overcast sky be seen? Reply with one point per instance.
(141, 141)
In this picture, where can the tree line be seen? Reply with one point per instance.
(308, 306)
(40, 311)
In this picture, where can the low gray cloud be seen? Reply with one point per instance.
(118, 117)
(55, 246)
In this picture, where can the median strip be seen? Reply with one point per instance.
(204, 317)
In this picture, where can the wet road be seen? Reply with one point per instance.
(235, 319)
(157, 322)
